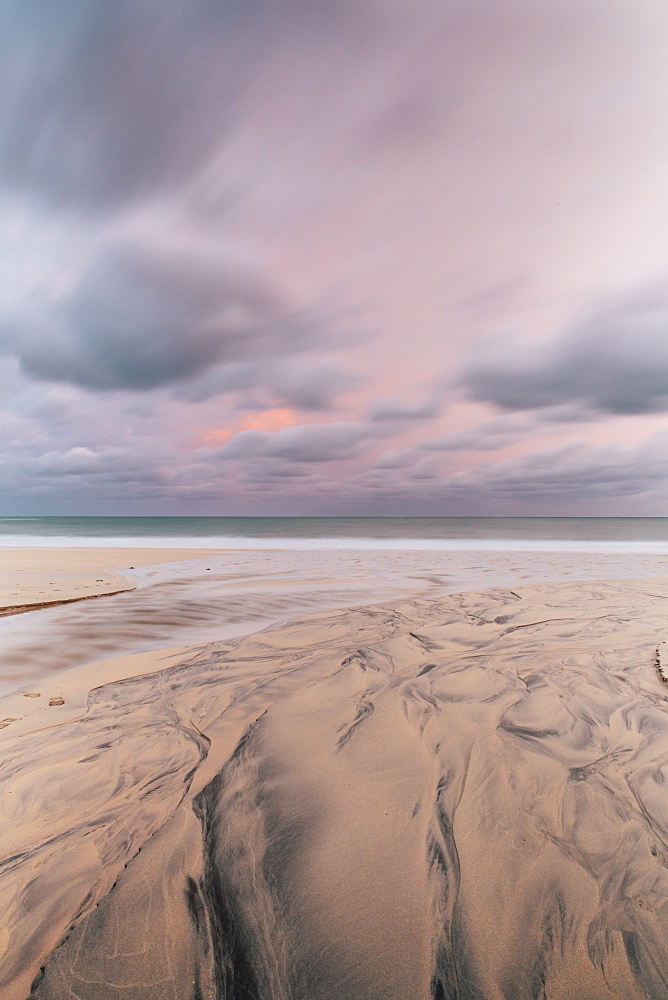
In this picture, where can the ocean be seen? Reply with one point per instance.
(264, 571)
(591, 534)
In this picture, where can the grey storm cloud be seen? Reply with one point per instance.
(138, 320)
(576, 471)
(306, 443)
(305, 383)
(547, 480)
(615, 362)
(490, 436)
(103, 101)
(311, 386)
(109, 100)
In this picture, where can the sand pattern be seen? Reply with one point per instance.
(455, 798)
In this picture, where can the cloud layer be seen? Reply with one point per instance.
(136, 321)
(106, 102)
(615, 362)
(357, 257)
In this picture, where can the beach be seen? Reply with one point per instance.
(334, 500)
(446, 793)
(180, 588)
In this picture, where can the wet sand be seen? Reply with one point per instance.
(460, 797)
(178, 597)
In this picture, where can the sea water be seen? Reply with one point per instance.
(640, 534)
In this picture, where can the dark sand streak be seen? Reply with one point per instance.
(21, 609)
(461, 799)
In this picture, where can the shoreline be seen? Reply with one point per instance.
(170, 598)
(34, 577)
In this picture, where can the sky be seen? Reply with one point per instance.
(355, 257)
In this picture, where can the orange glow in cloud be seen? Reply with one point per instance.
(265, 420)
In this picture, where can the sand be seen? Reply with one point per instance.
(461, 797)
(193, 597)
(32, 578)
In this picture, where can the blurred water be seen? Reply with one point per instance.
(576, 533)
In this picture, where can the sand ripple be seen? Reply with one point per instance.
(462, 798)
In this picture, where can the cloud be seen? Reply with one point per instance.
(615, 362)
(138, 319)
(307, 443)
(312, 385)
(304, 382)
(576, 478)
(108, 101)
(393, 409)
(571, 474)
(382, 191)
(490, 436)
(73, 462)
(298, 462)
(394, 459)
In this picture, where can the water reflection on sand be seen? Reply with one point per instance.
(235, 593)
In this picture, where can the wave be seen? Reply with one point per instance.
(238, 542)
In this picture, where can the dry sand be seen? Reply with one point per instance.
(453, 798)
(32, 578)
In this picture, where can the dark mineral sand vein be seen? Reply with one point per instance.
(426, 800)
